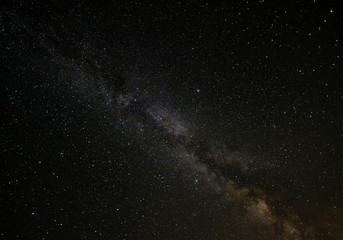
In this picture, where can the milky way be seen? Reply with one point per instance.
(206, 162)
(178, 120)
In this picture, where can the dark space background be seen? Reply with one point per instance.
(171, 120)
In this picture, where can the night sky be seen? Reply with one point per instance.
(171, 120)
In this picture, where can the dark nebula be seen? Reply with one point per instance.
(171, 120)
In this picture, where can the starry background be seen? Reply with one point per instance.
(171, 120)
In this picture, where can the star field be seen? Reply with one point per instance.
(171, 120)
